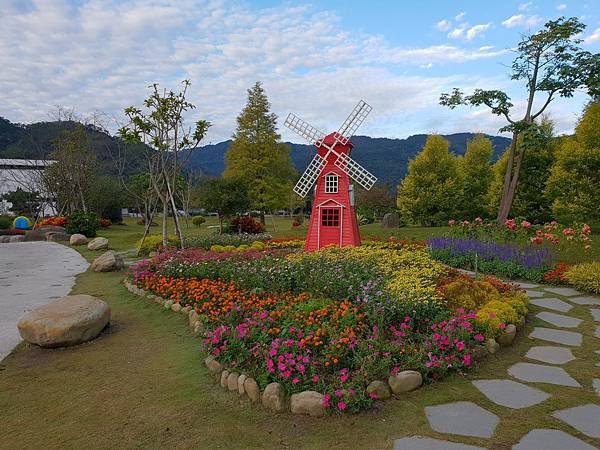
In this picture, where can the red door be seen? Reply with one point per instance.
(330, 226)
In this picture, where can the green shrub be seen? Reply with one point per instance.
(585, 277)
(5, 222)
(153, 242)
(82, 223)
(206, 242)
(198, 220)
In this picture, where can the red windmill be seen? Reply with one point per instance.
(333, 219)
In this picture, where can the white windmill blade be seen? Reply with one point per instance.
(352, 122)
(310, 175)
(357, 172)
(307, 131)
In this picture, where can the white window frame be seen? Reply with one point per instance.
(331, 183)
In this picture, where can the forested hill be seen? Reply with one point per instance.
(385, 158)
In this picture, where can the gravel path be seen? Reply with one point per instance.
(32, 274)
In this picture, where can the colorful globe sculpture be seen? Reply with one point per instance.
(22, 223)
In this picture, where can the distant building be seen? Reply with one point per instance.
(27, 175)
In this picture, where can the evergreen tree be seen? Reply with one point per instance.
(257, 158)
(431, 190)
(574, 183)
(476, 172)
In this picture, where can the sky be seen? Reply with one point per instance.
(316, 59)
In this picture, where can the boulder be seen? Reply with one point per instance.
(176, 307)
(52, 228)
(390, 220)
(232, 381)
(272, 397)
(307, 402)
(380, 388)
(5, 239)
(69, 321)
(167, 304)
(78, 239)
(108, 262)
(214, 367)
(508, 335)
(224, 376)
(57, 236)
(192, 317)
(15, 238)
(241, 380)
(405, 381)
(98, 243)
(252, 389)
(492, 346)
(35, 235)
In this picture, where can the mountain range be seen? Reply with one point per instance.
(386, 158)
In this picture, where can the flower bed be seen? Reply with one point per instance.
(334, 321)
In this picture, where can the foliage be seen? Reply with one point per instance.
(198, 220)
(5, 222)
(585, 277)
(429, 193)
(226, 197)
(207, 241)
(58, 221)
(154, 242)
(476, 172)
(23, 202)
(245, 224)
(575, 176)
(372, 204)
(106, 199)
(105, 223)
(256, 157)
(557, 275)
(82, 223)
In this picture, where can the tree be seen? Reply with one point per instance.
(475, 169)
(375, 202)
(573, 185)
(70, 177)
(257, 158)
(226, 197)
(106, 199)
(23, 202)
(431, 190)
(550, 62)
(162, 127)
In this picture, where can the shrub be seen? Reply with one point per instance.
(557, 275)
(82, 223)
(585, 277)
(58, 221)
(105, 223)
(198, 220)
(468, 294)
(206, 242)
(153, 242)
(245, 224)
(5, 222)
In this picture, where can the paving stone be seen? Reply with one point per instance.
(464, 418)
(534, 294)
(542, 439)
(565, 291)
(552, 303)
(595, 314)
(584, 418)
(559, 320)
(558, 336)
(596, 384)
(550, 354)
(528, 285)
(585, 301)
(425, 443)
(510, 393)
(538, 373)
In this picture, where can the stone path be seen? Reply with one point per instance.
(32, 274)
(552, 346)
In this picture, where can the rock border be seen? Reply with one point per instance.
(305, 402)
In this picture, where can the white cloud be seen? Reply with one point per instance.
(594, 37)
(477, 29)
(519, 20)
(561, 7)
(443, 25)
(457, 32)
(525, 6)
(460, 16)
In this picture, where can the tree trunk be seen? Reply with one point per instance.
(507, 198)
(262, 218)
(165, 221)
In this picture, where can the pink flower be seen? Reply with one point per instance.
(287, 374)
(525, 224)
(452, 222)
(315, 379)
(502, 326)
(295, 380)
(479, 337)
(373, 395)
(338, 393)
(460, 346)
(341, 405)
(351, 392)
(326, 399)
(281, 366)
(467, 360)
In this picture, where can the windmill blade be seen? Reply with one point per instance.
(310, 175)
(307, 131)
(352, 122)
(357, 172)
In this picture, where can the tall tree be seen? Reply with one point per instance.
(431, 190)
(223, 196)
(574, 183)
(550, 62)
(257, 158)
(475, 169)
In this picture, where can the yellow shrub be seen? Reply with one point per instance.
(469, 295)
(153, 242)
(493, 314)
(258, 245)
(585, 277)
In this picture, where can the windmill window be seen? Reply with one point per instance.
(330, 217)
(331, 184)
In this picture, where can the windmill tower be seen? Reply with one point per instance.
(333, 219)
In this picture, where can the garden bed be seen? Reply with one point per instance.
(342, 328)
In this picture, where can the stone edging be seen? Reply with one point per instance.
(306, 402)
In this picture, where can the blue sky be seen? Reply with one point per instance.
(316, 59)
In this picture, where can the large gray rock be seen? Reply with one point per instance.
(108, 262)
(69, 321)
(585, 418)
(98, 243)
(52, 228)
(545, 439)
(307, 402)
(464, 418)
(390, 220)
(5, 239)
(57, 236)
(539, 373)
(78, 239)
(405, 381)
(15, 238)
(272, 397)
(510, 393)
(34, 236)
